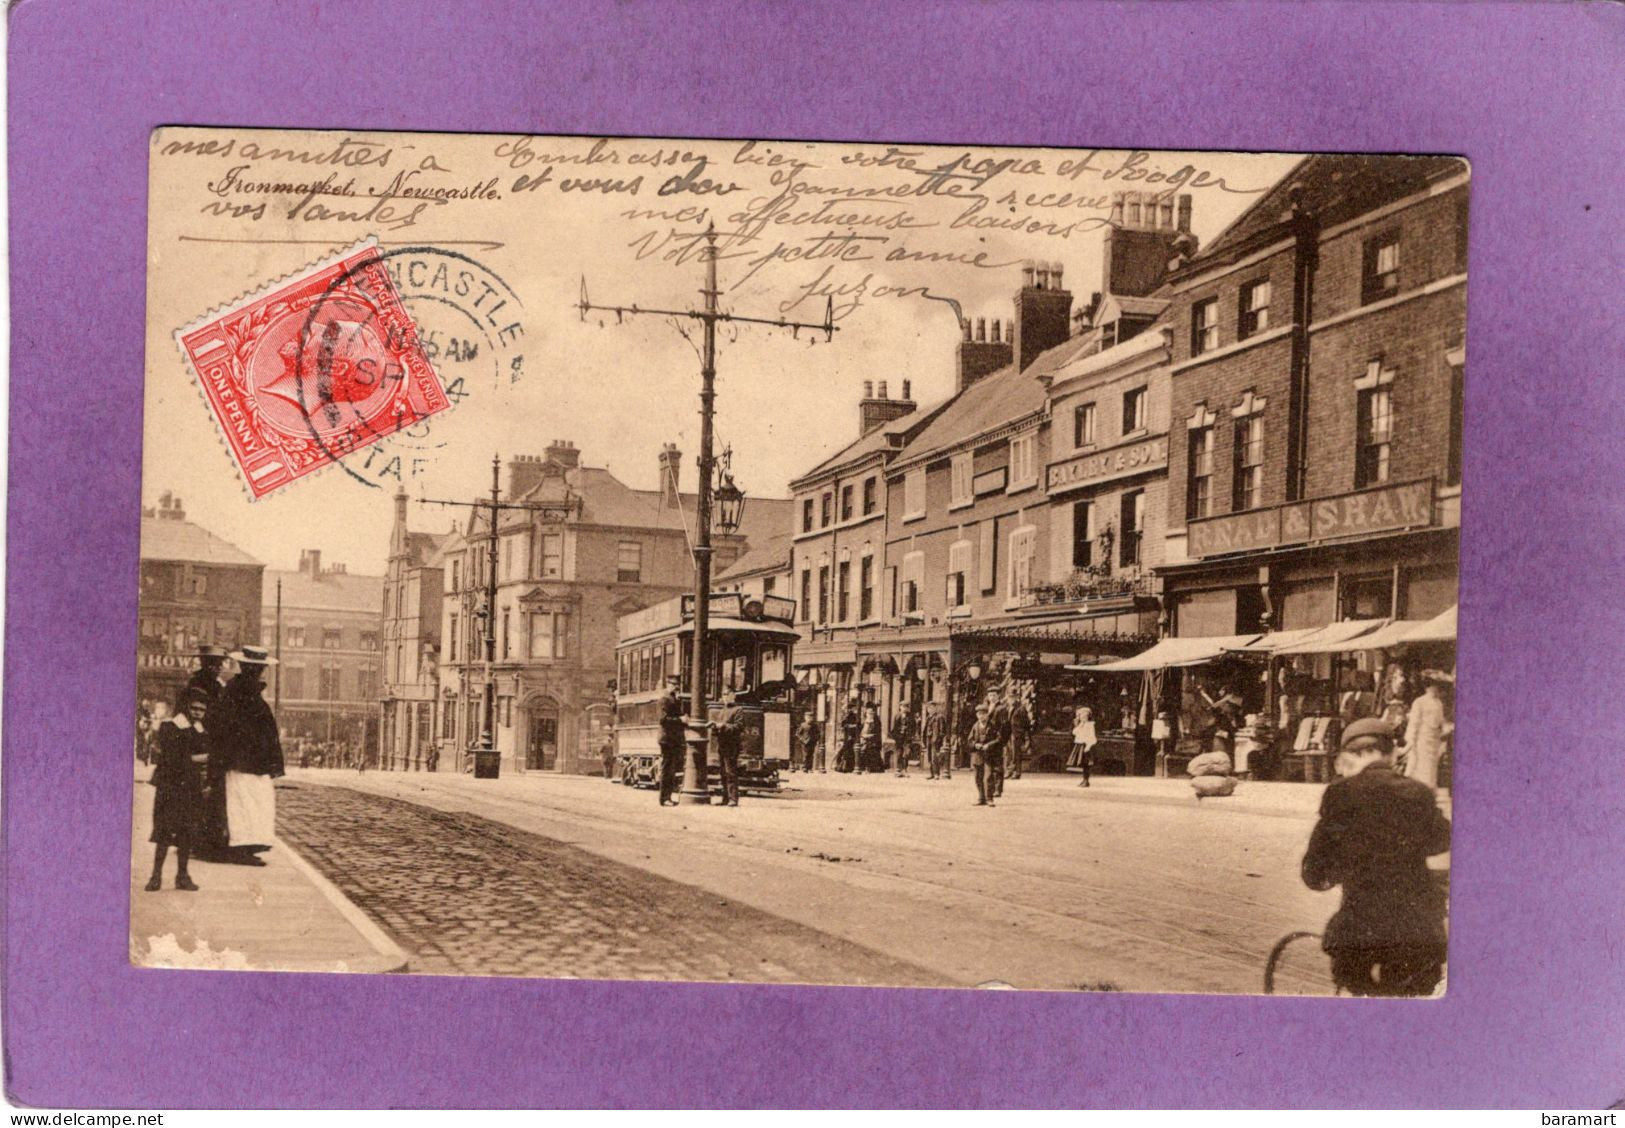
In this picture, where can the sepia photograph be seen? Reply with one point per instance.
(883, 565)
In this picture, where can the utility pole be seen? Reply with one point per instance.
(695, 788)
(277, 693)
(486, 761)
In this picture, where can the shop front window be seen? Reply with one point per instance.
(1366, 597)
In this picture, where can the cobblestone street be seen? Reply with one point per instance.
(466, 895)
(1131, 886)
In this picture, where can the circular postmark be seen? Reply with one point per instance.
(347, 393)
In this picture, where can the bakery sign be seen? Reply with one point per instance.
(1103, 466)
(1384, 509)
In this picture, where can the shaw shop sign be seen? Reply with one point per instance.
(1384, 509)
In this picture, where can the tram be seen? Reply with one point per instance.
(750, 643)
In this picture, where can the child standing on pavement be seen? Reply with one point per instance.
(177, 809)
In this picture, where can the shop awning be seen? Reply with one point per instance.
(1380, 639)
(1332, 638)
(1440, 628)
(1276, 641)
(1178, 652)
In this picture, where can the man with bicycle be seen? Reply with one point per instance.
(1376, 832)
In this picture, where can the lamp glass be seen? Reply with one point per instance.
(730, 505)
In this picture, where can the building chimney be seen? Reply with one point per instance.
(1043, 314)
(671, 475)
(524, 474)
(167, 509)
(978, 356)
(878, 410)
(868, 389)
(310, 563)
(906, 393)
(562, 452)
(1148, 231)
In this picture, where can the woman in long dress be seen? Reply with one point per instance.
(246, 733)
(1427, 729)
(1084, 740)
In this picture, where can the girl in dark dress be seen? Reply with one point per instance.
(177, 809)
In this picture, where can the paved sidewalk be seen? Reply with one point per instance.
(283, 916)
(1256, 797)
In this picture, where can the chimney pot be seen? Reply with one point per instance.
(906, 394)
(868, 389)
(1027, 272)
(965, 324)
(671, 461)
(1184, 204)
(981, 328)
(1117, 209)
(883, 390)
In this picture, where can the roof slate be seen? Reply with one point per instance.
(1000, 397)
(333, 591)
(165, 539)
(1336, 187)
(770, 554)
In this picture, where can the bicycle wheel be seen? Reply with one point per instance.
(1297, 966)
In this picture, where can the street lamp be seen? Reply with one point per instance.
(730, 505)
(694, 785)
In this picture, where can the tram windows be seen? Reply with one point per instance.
(773, 663)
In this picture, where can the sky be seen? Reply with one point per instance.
(493, 238)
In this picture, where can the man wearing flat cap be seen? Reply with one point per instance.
(987, 755)
(249, 753)
(1376, 832)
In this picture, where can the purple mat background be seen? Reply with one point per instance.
(1536, 1010)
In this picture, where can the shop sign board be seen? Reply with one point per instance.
(1384, 509)
(151, 660)
(1102, 466)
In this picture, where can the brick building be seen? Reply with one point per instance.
(1107, 486)
(562, 584)
(838, 544)
(195, 588)
(414, 582)
(962, 553)
(1316, 402)
(326, 632)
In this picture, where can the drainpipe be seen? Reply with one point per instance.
(1305, 256)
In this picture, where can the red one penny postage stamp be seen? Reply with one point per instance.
(312, 368)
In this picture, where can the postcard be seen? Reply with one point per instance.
(786, 562)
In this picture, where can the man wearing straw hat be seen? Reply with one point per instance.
(250, 753)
